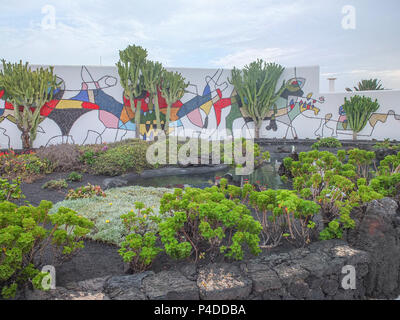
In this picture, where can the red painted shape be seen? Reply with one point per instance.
(219, 105)
(1, 93)
(144, 105)
(162, 103)
(48, 108)
(45, 111)
(219, 93)
(89, 105)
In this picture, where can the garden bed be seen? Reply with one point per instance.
(232, 254)
(313, 272)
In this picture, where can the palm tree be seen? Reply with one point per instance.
(368, 85)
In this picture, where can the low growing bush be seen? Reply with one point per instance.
(28, 167)
(386, 144)
(336, 186)
(387, 180)
(105, 212)
(140, 247)
(25, 233)
(74, 177)
(284, 215)
(87, 191)
(121, 159)
(55, 184)
(62, 157)
(10, 190)
(204, 221)
(327, 143)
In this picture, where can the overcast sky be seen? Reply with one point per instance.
(210, 34)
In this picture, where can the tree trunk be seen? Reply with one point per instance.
(137, 118)
(167, 117)
(354, 135)
(157, 110)
(26, 140)
(257, 130)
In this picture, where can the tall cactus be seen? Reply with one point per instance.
(28, 91)
(152, 81)
(256, 87)
(358, 111)
(172, 89)
(130, 64)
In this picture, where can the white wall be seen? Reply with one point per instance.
(90, 109)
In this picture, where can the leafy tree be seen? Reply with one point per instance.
(358, 111)
(256, 86)
(152, 72)
(173, 88)
(130, 65)
(28, 91)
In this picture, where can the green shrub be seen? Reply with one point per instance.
(62, 157)
(387, 185)
(121, 159)
(327, 143)
(362, 160)
(55, 184)
(11, 190)
(386, 144)
(284, 213)
(205, 220)
(74, 176)
(387, 181)
(389, 165)
(25, 232)
(140, 248)
(87, 191)
(89, 154)
(336, 186)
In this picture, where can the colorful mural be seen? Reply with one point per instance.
(90, 108)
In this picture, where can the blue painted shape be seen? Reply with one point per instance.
(177, 123)
(206, 90)
(193, 104)
(81, 96)
(130, 126)
(107, 103)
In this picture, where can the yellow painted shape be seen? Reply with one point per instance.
(69, 104)
(377, 117)
(206, 107)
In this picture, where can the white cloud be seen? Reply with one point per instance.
(89, 29)
(243, 57)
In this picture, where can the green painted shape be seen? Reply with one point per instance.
(233, 115)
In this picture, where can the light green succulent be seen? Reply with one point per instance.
(106, 212)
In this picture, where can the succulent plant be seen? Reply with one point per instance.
(28, 91)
